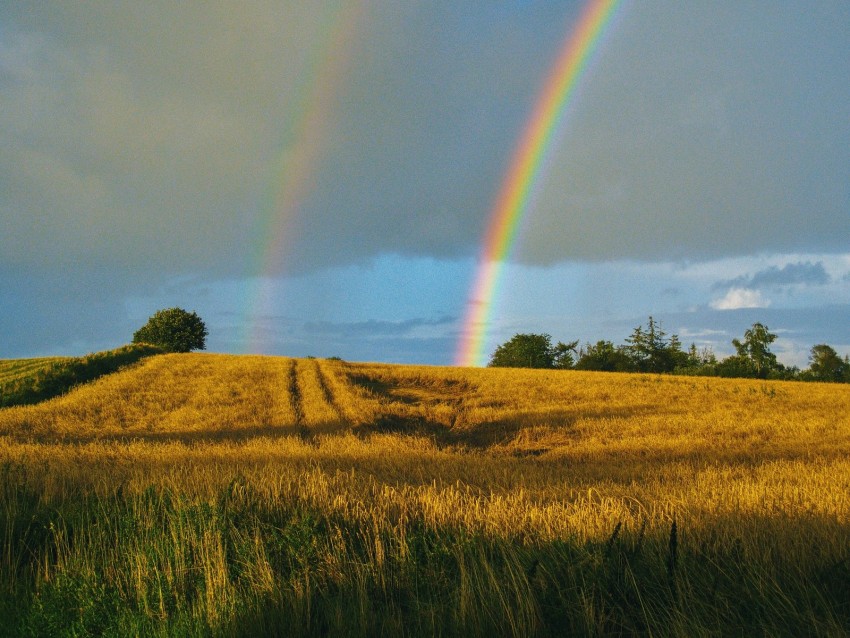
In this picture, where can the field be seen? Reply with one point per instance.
(234, 495)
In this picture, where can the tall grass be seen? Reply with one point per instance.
(214, 495)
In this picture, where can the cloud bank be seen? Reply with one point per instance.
(149, 138)
(801, 273)
(706, 131)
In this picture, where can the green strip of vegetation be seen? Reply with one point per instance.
(11, 369)
(651, 350)
(58, 375)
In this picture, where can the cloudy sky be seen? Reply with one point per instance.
(316, 177)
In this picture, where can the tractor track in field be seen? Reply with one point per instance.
(327, 394)
(295, 400)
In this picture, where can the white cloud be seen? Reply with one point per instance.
(738, 298)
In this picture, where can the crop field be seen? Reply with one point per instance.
(202, 494)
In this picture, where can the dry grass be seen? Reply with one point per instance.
(383, 461)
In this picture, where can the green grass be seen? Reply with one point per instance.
(13, 369)
(28, 381)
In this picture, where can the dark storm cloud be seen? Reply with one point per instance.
(145, 143)
(149, 137)
(154, 138)
(705, 130)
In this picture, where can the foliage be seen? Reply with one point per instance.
(533, 351)
(12, 369)
(826, 365)
(563, 355)
(651, 351)
(698, 362)
(220, 495)
(59, 375)
(755, 348)
(736, 366)
(174, 330)
(604, 356)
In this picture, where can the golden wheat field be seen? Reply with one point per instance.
(668, 499)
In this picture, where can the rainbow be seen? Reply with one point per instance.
(525, 172)
(303, 143)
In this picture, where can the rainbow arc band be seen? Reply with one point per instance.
(525, 172)
(306, 130)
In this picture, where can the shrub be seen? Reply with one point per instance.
(175, 330)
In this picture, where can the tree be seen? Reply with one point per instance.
(533, 351)
(604, 356)
(756, 349)
(652, 351)
(564, 354)
(175, 330)
(735, 367)
(826, 365)
(697, 358)
(524, 351)
(697, 361)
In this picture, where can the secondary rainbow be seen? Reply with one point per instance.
(525, 171)
(306, 128)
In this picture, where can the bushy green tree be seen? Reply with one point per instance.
(563, 355)
(826, 365)
(524, 351)
(736, 367)
(697, 362)
(604, 356)
(651, 351)
(533, 351)
(174, 330)
(699, 358)
(755, 348)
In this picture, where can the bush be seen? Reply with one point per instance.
(174, 330)
(534, 351)
(604, 357)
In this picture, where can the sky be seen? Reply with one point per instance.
(316, 178)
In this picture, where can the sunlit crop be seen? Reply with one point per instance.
(245, 495)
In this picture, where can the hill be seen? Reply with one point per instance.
(229, 495)
(27, 381)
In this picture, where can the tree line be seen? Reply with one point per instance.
(650, 349)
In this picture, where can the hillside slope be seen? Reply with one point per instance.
(29, 381)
